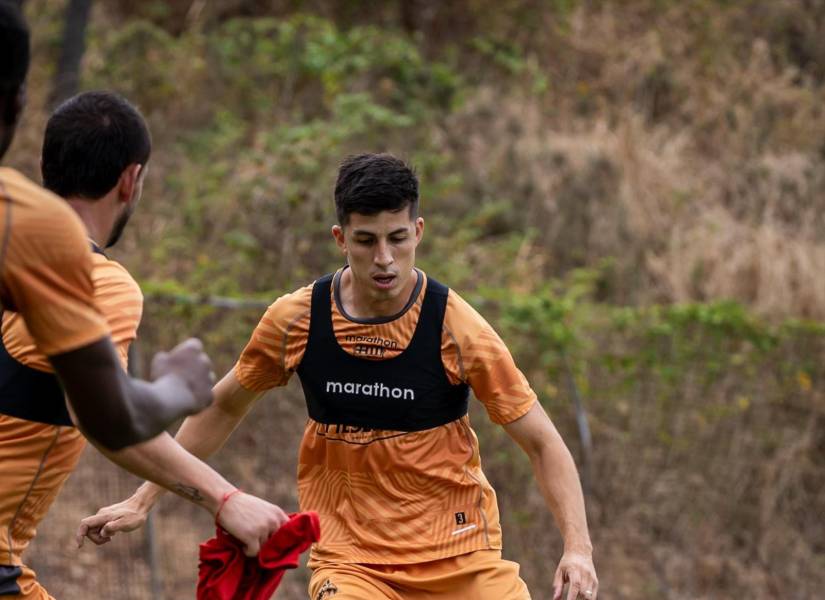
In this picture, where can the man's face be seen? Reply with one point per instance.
(380, 250)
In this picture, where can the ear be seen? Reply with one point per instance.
(128, 182)
(419, 229)
(340, 238)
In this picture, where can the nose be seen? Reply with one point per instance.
(383, 254)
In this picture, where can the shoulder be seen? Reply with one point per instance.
(44, 228)
(38, 212)
(116, 291)
(286, 311)
(112, 277)
(291, 304)
(460, 316)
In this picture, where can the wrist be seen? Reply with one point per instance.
(172, 386)
(214, 498)
(226, 497)
(146, 496)
(583, 547)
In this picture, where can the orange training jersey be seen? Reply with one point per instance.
(117, 295)
(38, 456)
(386, 496)
(45, 267)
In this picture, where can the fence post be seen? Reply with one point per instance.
(583, 427)
(151, 550)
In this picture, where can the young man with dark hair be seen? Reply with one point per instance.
(386, 356)
(95, 153)
(45, 275)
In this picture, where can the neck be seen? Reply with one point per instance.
(97, 220)
(360, 304)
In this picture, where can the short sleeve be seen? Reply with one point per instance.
(120, 300)
(473, 352)
(277, 344)
(47, 278)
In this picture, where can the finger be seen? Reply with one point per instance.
(594, 587)
(81, 534)
(111, 528)
(575, 586)
(97, 538)
(93, 534)
(588, 590)
(252, 548)
(281, 519)
(193, 344)
(558, 583)
(94, 522)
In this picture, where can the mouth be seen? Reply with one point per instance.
(384, 281)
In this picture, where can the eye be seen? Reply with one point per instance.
(364, 241)
(398, 239)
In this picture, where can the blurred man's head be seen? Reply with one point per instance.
(14, 64)
(96, 148)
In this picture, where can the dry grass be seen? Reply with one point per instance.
(701, 177)
(682, 144)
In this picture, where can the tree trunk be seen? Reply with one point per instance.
(67, 77)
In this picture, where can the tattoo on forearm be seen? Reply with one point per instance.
(188, 492)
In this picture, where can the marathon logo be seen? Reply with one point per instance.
(379, 390)
(373, 346)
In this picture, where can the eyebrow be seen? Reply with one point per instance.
(365, 232)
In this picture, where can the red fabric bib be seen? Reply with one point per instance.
(225, 573)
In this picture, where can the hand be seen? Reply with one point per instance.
(577, 570)
(251, 520)
(190, 363)
(101, 527)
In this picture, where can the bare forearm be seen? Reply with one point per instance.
(559, 483)
(118, 411)
(202, 435)
(159, 403)
(205, 433)
(162, 461)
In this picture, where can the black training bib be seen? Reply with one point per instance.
(26, 393)
(409, 392)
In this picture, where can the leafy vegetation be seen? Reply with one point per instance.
(631, 192)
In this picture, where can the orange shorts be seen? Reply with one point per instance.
(37, 459)
(29, 588)
(481, 575)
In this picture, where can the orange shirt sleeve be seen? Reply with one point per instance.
(277, 345)
(120, 300)
(47, 276)
(473, 353)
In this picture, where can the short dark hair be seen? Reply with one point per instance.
(371, 183)
(14, 48)
(90, 139)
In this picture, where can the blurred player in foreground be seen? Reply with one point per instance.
(95, 154)
(45, 276)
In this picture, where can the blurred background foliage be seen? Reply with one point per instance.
(632, 192)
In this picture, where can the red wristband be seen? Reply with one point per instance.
(226, 497)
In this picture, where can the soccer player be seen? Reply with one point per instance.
(95, 154)
(45, 276)
(386, 356)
